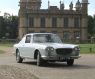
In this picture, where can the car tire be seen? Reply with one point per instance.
(39, 59)
(70, 62)
(18, 58)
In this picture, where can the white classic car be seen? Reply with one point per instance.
(45, 47)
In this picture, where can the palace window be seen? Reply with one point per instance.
(42, 22)
(76, 34)
(66, 35)
(31, 22)
(66, 22)
(54, 22)
(76, 22)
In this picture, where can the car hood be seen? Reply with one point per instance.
(58, 45)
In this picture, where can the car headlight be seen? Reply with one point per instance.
(49, 49)
(77, 49)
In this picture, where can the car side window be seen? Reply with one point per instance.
(28, 39)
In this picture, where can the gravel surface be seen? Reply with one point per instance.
(11, 72)
(84, 68)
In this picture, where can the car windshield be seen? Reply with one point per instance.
(46, 38)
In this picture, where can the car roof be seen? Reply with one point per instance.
(38, 33)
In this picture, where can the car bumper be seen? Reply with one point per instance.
(75, 57)
(59, 57)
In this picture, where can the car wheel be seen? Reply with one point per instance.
(18, 58)
(70, 62)
(39, 60)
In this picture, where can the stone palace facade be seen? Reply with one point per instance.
(68, 23)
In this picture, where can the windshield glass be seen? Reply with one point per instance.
(46, 38)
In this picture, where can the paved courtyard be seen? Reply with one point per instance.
(84, 68)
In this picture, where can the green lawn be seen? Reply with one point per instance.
(5, 46)
(1, 52)
(87, 48)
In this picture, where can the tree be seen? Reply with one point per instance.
(91, 29)
(6, 25)
(94, 25)
(14, 27)
(9, 26)
(1, 27)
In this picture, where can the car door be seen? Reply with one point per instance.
(22, 47)
(27, 46)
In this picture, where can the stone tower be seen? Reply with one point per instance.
(85, 6)
(22, 20)
(33, 4)
(30, 4)
(84, 11)
(25, 7)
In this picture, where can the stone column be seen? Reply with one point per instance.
(84, 32)
(22, 26)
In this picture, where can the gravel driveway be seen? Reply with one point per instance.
(11, 72)
(84, 68)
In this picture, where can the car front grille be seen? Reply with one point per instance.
(64, 51)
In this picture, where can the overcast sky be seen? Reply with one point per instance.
(11, 6)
